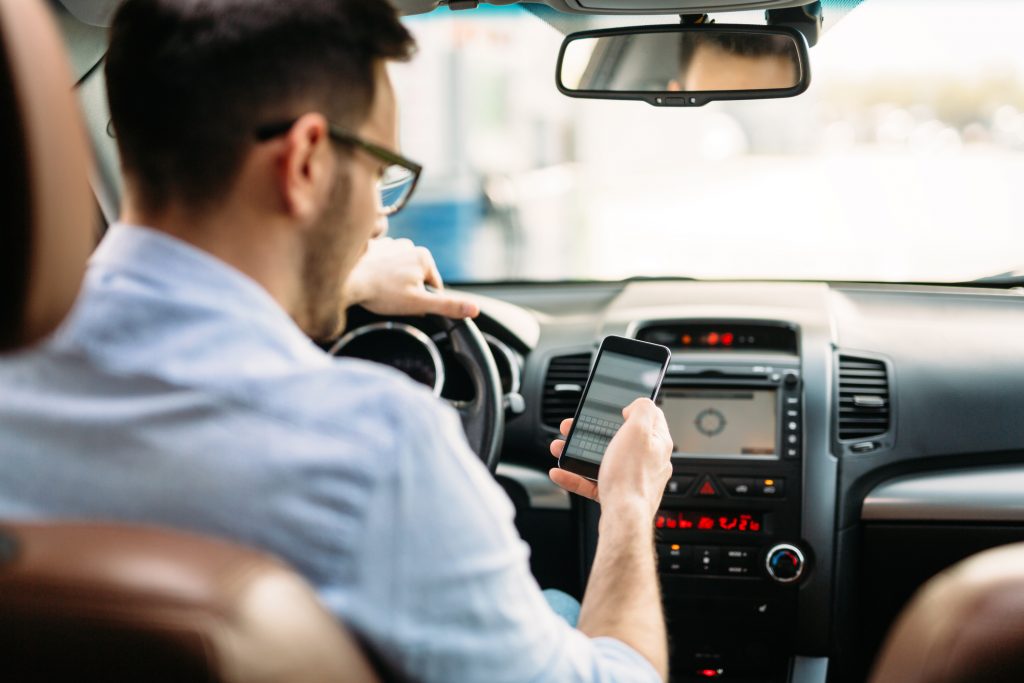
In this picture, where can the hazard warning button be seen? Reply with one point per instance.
(707, 489)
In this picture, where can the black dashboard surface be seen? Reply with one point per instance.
(956, 375)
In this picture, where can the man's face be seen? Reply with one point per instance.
(352, 217)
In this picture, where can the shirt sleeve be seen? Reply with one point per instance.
(445, 586)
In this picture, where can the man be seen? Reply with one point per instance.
(184, 390)
(718, 61)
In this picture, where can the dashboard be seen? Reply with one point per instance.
(828, 437)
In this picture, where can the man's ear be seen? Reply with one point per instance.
(305, 167)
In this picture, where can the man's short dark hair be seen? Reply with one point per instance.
(739, 45)
(189, 81)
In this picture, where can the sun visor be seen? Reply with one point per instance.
(92, 12)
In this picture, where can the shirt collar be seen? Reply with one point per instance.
(183, 272)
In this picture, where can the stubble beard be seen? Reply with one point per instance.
(324, 272)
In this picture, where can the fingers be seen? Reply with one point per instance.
(431, 275)
(558, 445)
(641, 407)
(438, 301)
(443, 303)
(574, 483)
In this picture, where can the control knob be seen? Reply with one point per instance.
(785, 563)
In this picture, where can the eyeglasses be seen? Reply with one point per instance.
(395, 184)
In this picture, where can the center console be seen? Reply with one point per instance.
(728, 532)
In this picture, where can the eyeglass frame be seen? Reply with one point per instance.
(339, 134)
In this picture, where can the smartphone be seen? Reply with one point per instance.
(625, 370)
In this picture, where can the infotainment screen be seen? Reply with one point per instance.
(736, 422)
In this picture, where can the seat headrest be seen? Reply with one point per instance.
(966, 625)
(87, 601)
(44, 183)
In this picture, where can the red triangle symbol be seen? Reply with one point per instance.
(707, 489)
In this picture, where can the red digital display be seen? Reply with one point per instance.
(721, 337)
(715, 338)
(741, 522)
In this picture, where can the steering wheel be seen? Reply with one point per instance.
(483, 418)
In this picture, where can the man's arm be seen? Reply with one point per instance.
(622, 598)
(392, 278)
(441, 585)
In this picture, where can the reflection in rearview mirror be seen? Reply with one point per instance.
(672, 61)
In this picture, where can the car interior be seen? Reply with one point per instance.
(847, 486)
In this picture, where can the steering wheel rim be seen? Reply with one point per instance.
(483, 418)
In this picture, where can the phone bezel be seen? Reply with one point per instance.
(627, 347)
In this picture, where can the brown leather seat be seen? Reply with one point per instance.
(84, 601)
(48, 208)
(966, 625)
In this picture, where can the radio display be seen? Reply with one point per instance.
(721, 422)
(709, 521)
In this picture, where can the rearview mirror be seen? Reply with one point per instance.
(684, 66)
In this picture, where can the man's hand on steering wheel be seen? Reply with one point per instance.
(392, 277)
(397, 278)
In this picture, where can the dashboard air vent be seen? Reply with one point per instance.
(863, 398)
(563, 387)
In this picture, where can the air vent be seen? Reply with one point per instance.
(563, 387)
(863, 398)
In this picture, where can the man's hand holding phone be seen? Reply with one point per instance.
(635, 468)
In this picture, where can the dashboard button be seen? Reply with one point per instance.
(738, 555)
(792, 452)
(771, 488)
(737, 561)
(707, 489)
(707, 559)
(677, 486)
(738, 486)
(792, 439)
(674, 558)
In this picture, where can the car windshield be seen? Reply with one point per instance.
(900, 163)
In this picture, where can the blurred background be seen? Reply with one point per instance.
(902, 162)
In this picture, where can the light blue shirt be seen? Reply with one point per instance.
(179, 393)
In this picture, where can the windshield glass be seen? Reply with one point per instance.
(900, 163)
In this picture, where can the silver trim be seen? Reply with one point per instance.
(542, 493)
(514, 364)
(795, 551)
(983, 494)
(414, 332)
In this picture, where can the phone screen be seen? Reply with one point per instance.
(617, 381)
